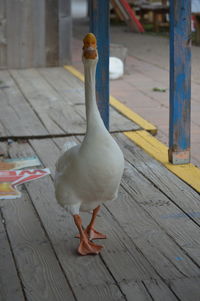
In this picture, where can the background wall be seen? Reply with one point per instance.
(35, 33)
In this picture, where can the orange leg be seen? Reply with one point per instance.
(86, 247)
(91, 232)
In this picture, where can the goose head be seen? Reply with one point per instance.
(90, 53)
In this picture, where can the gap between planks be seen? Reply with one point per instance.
(48, 136)
(156, 149)
(120, 107)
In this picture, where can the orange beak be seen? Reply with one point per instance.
(90, 46)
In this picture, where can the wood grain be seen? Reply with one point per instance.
(120, 254)
(180, 82)
(72, 92)
(25, 44)
(44, 102)
(183, 231)
(87, 275)
(17, 116)
(57, 116)
(186, 198)
(143, 256)
(151, 239)
(38, 267)
(187, 289)
(10, 286)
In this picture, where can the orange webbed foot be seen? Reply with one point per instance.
(92, 234)
(88, 247)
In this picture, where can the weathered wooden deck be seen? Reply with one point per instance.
(153, 246)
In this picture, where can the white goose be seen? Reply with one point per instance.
(89, 174)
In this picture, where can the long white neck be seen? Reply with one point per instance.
(92, 113)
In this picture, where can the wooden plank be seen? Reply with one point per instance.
(117, 255)
(87, 275)
(99, 25)
(69, 87)
(25, 44)
(3, 39)
(39, 269)
(182, 230)
(17, 116)
(123, 110)
(72, 92)
(180, 81)
(3, 149)
(156, 149)
(155, 290)
(10, 287)
(187, 289)
(179, 192)
(126, 264)
(151, 239)
(140, 229)
(131, 265)
(57, 116)
(118, 123)
(159, 291)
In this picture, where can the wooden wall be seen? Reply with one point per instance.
(35, 33)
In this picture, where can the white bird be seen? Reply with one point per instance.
(89, 174)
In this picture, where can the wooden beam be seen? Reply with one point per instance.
(65, 32)
(180, 81)
(99, 25)
(51, 33)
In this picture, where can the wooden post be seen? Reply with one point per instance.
(180, 81)
(51, 33)
(99, 25)
(65, 32)
(58, 32)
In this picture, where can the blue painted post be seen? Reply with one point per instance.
(180, 81)
(99, 25)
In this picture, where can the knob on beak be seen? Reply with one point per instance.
(90, 46)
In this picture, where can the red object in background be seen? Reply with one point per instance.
(132, 15)
(193, 23)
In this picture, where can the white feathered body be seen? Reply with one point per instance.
(89, 174)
